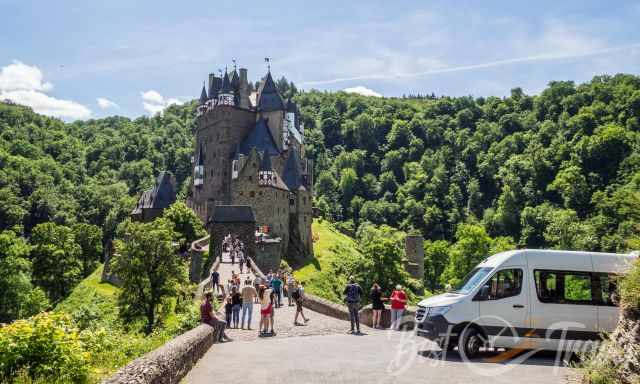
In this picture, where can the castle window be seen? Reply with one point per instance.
(252, 194)
(260, 193)
(250, 178)
(241, 193)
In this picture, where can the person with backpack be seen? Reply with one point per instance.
(353, 293)
(297, 294)
(291, 287)
(276, 284)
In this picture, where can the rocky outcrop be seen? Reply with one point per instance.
(169, 363)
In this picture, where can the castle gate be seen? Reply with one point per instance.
(237, 220)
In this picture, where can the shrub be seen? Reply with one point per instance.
(44, 346)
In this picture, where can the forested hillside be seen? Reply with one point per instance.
(561, 169)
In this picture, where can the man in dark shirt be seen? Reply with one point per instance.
(215, 282)
(353, 293)
(208, 317)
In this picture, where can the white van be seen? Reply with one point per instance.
(529, 299)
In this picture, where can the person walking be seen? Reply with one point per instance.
(241, 263)
(236, 300)
(276, 284)
(228, 310)
(377, 305)
(265, 309)
(291, 286)
(208, 317)
(298, 296)
(215, 282)
(398, 304)
(353, 293)
(248, 295)
(247, 261)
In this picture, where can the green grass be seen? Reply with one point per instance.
(334, 252)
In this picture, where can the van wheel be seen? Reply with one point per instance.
(469, 342)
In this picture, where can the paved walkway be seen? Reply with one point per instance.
(378, 357)
(318, 324)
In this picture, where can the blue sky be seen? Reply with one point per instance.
(138, 56)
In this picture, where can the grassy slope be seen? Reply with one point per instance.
(94, 305)
(326, 275)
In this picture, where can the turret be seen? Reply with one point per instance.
(215, 83)
(244, 89)
(225, 95)
(202, 108)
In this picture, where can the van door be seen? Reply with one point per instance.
(504, 306)
(562, 308)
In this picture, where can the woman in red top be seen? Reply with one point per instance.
(398, 303)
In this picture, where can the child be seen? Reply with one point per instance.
(228, 310)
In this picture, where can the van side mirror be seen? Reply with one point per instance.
(483, 293)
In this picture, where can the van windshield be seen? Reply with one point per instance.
(472, 280)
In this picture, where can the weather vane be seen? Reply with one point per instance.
(234, 64)
(268, 61)
(220, 71)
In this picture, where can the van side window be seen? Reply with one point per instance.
(563, 287)
(504, 283)
(609, 294)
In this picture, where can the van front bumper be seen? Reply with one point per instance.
(434, 328)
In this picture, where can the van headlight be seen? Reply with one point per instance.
(435, 311)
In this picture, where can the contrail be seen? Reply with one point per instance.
(471, 67)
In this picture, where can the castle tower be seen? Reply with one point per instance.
(244, 89)
(271, 107)
(414, 250)
(225, 95)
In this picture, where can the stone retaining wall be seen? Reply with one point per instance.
(326, 307)
(169, 363)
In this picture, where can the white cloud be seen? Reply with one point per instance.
(106, 103)
(47, 105)
(361, 90)
(19, 76)
(153, 102)
(23, 84)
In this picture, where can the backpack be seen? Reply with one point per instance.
(296, 294)
(353, 293)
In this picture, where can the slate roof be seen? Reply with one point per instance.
(235, 80)
(292, 173)
(261, 139)
(203, 95)
(233, 214)
(161, 196)
(291, 106)
(268, 97)
(226, 85)
(214, 87)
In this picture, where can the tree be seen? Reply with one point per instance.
(89, 238)
(472, 245)
(148, 266)
(18, 298)
(186, 224)
(56, 258)
(436, 257)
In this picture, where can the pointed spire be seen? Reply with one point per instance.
(291, 106)
(216, 84)
(203, 94)
(268, 97)
(226, 84)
